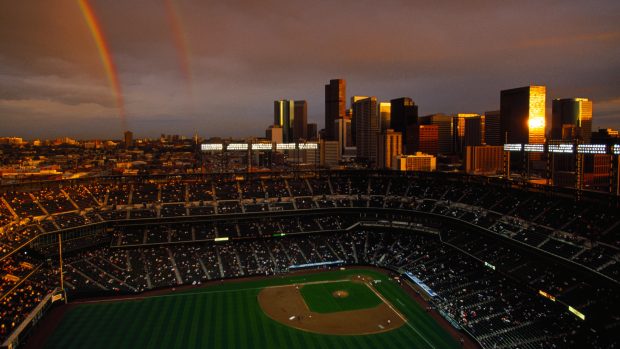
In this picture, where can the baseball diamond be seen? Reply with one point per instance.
(251, 314)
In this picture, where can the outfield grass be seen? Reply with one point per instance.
(319, 297)
(228, 316)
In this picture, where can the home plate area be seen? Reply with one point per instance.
(339, 307)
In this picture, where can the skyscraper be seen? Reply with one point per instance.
(424, 138)
(367, 120)
(292, 116)
(445, 130)
(300, 122)
(343, 127)
(492, 128)
(354, 99)
(390, 144)
(384, 115)
(284, 116)
(574, 113)
(403, 113)
(522, 113)
(467, 131)
(335, 104)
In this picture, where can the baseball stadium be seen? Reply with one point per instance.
(307, 259)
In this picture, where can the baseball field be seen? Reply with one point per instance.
(335, 309)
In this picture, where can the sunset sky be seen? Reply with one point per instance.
(186, 66)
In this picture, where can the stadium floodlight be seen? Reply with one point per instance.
(546, 295)
(286, 146)
(237, 146)
(591, 149)
(576, 312)
(561, 148)
(534, 148)
(262, 146)
(308, 146)
(617, 149)
(513, 147)
(211, 147)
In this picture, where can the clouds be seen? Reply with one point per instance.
(448, 56)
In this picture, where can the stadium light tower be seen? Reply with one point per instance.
(62, 277)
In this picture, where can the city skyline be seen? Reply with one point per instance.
(177, 76)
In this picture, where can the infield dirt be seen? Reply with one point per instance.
(286, 305)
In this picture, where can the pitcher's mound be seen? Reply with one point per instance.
(286, 305)
(340, 294)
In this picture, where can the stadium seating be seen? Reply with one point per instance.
(356, 218)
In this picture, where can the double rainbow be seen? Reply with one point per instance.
(106, 57)
(180, 41)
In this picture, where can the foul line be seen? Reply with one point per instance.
(399, 314)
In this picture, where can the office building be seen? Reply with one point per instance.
(390, 144)
(335, 105)
(300, 121)
(128, 135)
(417, 162)
(384, 115)
(607, 136)
(445, 130)
(312, 132)
(354, 100)
(274, 134)
(284, 116)
(424, 138)
(343, 127)
(330, 153)
(366, 116)
(484, 160)
(492, 128)
(467, 131)
(403, 113)
(596, 170)
(522, 113)
(571, 119)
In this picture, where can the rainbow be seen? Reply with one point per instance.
(106, 57)
(180, 41)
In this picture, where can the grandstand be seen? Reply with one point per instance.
(508, 266)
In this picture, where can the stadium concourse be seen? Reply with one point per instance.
(510, 266)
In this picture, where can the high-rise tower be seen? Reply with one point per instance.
(335, 105)
(522, 113)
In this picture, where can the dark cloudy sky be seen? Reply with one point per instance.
(449, 56)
